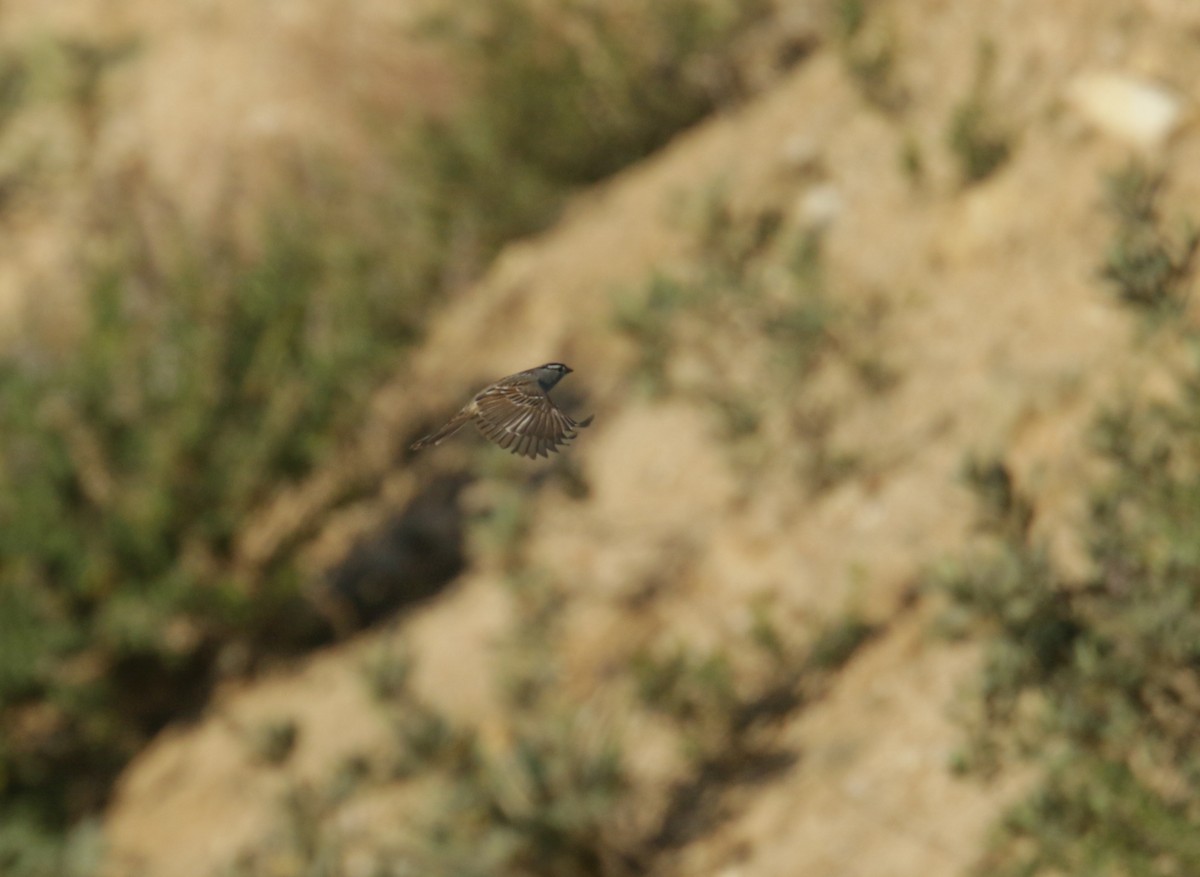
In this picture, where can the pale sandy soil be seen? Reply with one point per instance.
(999, 334)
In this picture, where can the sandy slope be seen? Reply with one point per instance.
(1002, 342)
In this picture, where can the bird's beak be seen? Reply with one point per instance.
(567, 369)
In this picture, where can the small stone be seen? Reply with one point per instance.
(1134, 110)
(821, 205)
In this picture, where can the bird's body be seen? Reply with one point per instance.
(516, 413)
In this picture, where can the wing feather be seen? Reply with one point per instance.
(516, 414)
(521, 418)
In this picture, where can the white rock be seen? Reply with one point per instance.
(820, 205)
(1134, 110)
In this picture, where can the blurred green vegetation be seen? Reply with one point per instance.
(722, 700)
(1146, 266)
(977, 138)
(129, 464)
(551, 800)
(1096, 677)
(207, 374)
(547, 797)
(747, 270)
(749, 296)
(870, 50)
(548, 784)
(568, 93)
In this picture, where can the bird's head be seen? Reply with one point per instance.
(550, 374)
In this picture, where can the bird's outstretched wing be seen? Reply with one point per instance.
(521, 418)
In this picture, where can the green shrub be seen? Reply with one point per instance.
(129, 465)
(1098, 679)
(564, 94)
(757, 279)
(577, 90)
(551, 798)
(1145, 265)
(870, 54)
(547, 805)
(975, 137)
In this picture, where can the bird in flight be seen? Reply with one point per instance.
(516, 413)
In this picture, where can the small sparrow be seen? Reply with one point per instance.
(517, 414)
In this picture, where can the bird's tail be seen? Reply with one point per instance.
(457, 422)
